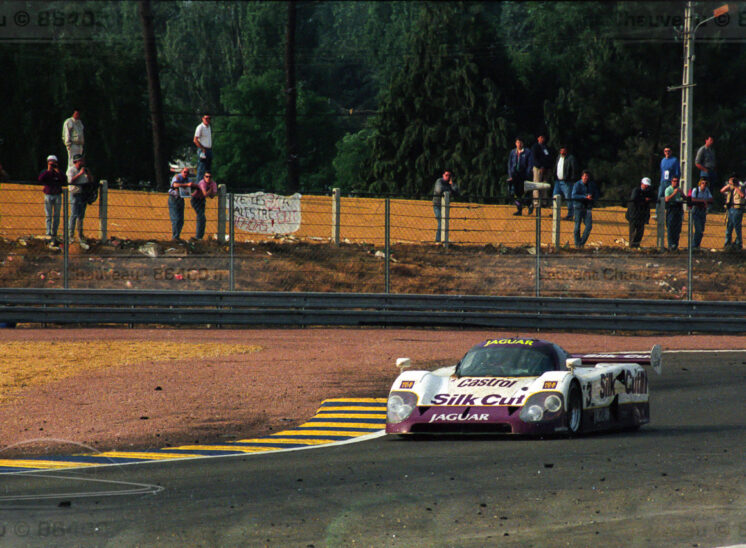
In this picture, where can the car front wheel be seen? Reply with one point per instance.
(575, 410)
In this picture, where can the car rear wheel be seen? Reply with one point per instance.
(575, 410)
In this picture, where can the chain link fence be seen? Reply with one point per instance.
(360, 244)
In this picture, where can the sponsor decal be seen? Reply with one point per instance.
(465, 416)
(601, 415)
(550, 385)
(470, 399)
(636, 384)
(527, 342)
(406, 384)
(502, 383)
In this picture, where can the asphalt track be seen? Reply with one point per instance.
(678, 481)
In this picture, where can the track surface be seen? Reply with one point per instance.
(678, 481)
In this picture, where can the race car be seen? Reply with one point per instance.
(523, 386)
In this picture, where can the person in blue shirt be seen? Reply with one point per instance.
(584, 194)
(700, 198)
(670, 168)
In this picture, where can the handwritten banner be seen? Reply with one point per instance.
(264, 213)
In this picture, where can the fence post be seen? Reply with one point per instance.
(221, 213)
(65, 237)
(231, 239)
(387, 241)
(660, 219)
(689, 277)
(446, 217)
(103, 208)
(556, 216)
(336, 202)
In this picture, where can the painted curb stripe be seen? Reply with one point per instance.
(337, 421)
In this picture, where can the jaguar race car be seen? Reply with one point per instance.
(523, 386)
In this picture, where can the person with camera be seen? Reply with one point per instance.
(700, 198)
(734, 202)
(78, 176)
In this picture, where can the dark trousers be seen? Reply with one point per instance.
(582, 215)
(636, 231)
(176, 212)
(674, 216)
(436, 210)
(699, 217)
(198, 204)
(203, 164)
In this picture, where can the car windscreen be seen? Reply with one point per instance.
(505, 361)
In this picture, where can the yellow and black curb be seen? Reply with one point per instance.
(337, 420)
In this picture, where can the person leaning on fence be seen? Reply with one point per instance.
(565, 172)
(176, 201)
(584, 194)
(638, 211)
(442, 185)
(53, 180)
(78, 176)
(700, 198)
(734, 202)
(674, 197)
(206, 188)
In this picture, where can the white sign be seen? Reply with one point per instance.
(264, 213)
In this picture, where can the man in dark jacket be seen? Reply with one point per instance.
(585, 194)
(442, 185)
(638, 211)
(519, 171)
(53, 180)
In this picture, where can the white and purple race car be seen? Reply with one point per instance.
(523, 386)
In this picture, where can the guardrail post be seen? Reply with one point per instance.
(660, 219)
(65, 238)
(336, 203)
(446, 209)
(387, 241)
(103, 208)
(221, 213)
(231, 239)
(556, 216)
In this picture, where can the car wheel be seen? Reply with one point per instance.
(575, 410)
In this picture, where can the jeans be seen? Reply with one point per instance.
(176, 212)
(198, 204)
(436, 210)
(584, 215)
(735, 217)
(699, 216)
(562, 188)
(78, 206)
(52, 206)
(203, 164)
(674, 216)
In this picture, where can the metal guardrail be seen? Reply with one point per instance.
(89, 307)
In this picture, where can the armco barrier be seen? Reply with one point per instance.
(98, 307)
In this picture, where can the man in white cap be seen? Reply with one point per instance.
(53, 180)
(638, 211)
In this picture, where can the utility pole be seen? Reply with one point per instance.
(686, 99)
(291, 94)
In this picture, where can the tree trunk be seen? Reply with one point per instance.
(293, 183)
(154, 95)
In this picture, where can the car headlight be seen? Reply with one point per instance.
(400, 406)
(544, 406)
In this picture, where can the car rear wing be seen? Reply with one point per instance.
(654, 358)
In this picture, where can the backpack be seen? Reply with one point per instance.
(89, 192)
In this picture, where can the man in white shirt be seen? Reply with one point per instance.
(72, 136)
(203, 142)
(77, 176)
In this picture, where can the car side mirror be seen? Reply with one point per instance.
(403, 363)
(573, 362)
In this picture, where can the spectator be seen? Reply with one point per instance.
(670, 168)
(77, 176)
(734, 202)
(674, 212)
(53, 180)
(565, 173)
(519, 166)
(541, 159)
(584, 193)
(3, 174)
(176, 201)
(203, 141)
(638, 211)
(72, 136)
(207, 188)
(444, 184)
(700, 198)
(706, 162)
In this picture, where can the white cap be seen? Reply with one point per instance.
(646, 181)
(51, 158)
